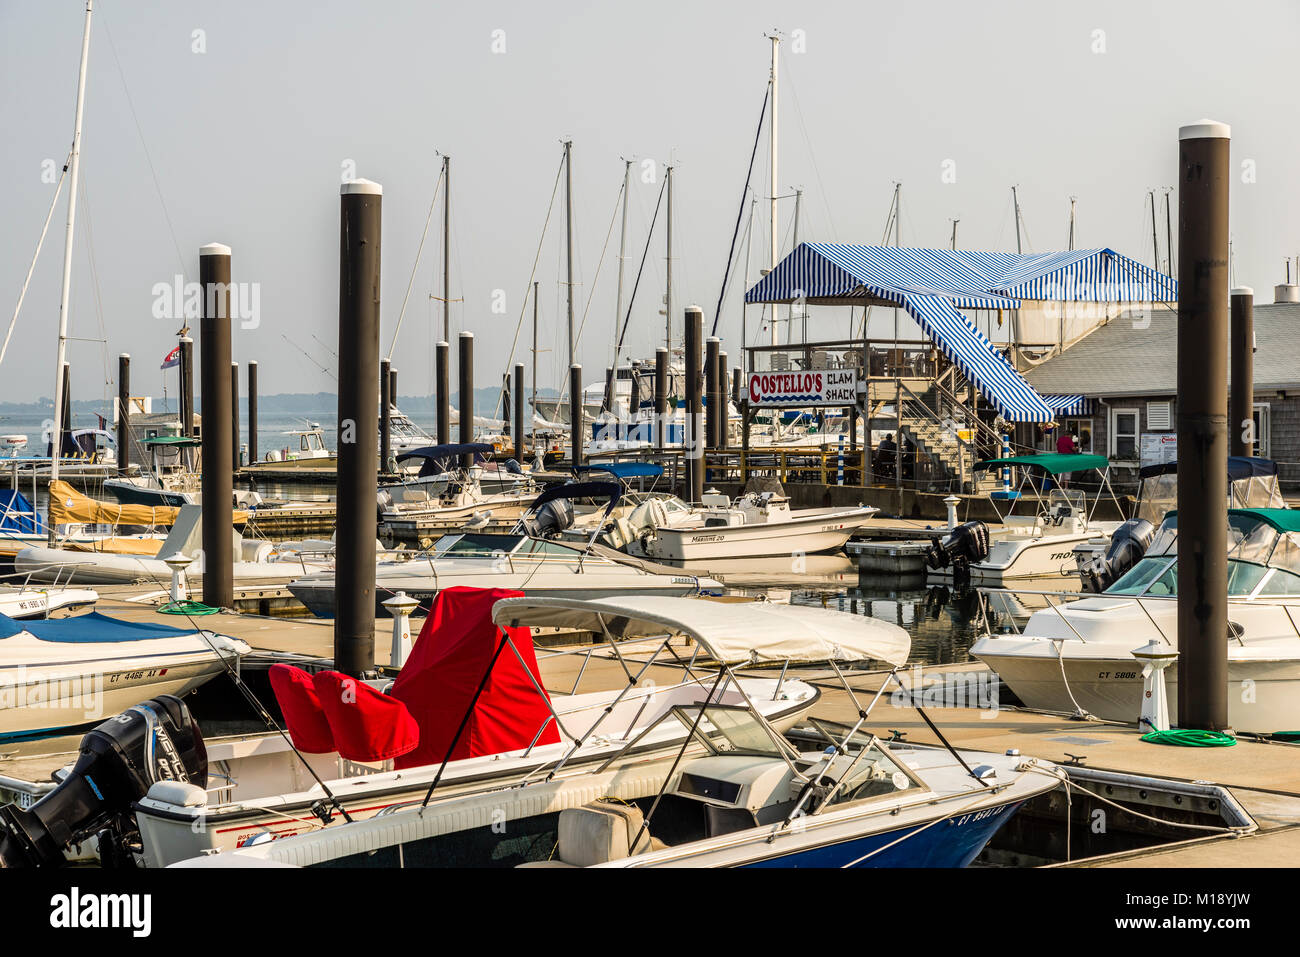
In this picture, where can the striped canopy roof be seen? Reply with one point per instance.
(933, 284)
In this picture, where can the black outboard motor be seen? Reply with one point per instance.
(551, 519)
(1127, 546)
(967, 543)
(119, 761)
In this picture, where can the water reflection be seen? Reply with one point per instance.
(943, 619)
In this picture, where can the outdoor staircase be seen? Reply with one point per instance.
(931, 418)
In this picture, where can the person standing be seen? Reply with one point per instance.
(1066, 444)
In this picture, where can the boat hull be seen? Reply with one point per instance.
(36, 701)
(1018, 557)
(954, 842)
(806, 534)
(1264, 695)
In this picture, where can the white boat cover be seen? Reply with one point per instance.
(731, 632)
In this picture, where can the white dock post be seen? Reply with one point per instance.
(400, 607)
(1154, 657)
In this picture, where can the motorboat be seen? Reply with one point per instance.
(516, 730)
(1076, 656)
(735, 792)
(529, 558)
(69, 672)
(756, 524)
(1040, 544)
(410, 512)
(256, 560)
(403, 434)
(1252, 483)
(433, 468)
(22, 603)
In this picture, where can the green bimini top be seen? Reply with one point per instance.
(1283, 519)
(171, 440)
(1053, 463)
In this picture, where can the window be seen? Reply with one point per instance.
(1124, 434)
(1262, 416)
(1080, 428)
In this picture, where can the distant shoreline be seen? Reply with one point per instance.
(284, 402)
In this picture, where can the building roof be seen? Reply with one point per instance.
(933, 284)
(1131, 356)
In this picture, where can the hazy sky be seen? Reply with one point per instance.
(241, 134)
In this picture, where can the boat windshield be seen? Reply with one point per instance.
(472, 545)
(729, 729)
(1158, 578)
(1257, 552)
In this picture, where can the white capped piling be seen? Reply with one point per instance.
(360, 229)
(1204, 172)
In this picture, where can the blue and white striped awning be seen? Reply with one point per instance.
(1070, 404)
(970, 279)
(933, 284)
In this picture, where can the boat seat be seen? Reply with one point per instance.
(305, 720)
(598, 833)
(367, 725)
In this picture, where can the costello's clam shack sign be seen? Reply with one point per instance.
(813, 387)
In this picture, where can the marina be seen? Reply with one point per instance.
(420, 523)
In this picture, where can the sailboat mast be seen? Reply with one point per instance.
(66, 290)
(1155, 243)
(568, 243)
(772, 141)
(789, 335)
(1015, 203)
(1071, 244)
(668, 265)
(622, 254)
(446, 249)
(744, 324)
(535, 284)
(1169, 235)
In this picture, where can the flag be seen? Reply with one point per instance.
(172, 359)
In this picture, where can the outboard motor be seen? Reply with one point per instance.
(1127, 546)
(967, 543)
(119, 761)
(551, 519)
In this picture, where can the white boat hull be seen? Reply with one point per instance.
(1015, 557)
(91, 681)
(824, 530)
(1102, 677)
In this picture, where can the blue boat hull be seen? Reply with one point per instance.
(953, 842)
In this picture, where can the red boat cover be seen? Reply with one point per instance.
(368, 725)
(444, 669)
(308, 728)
